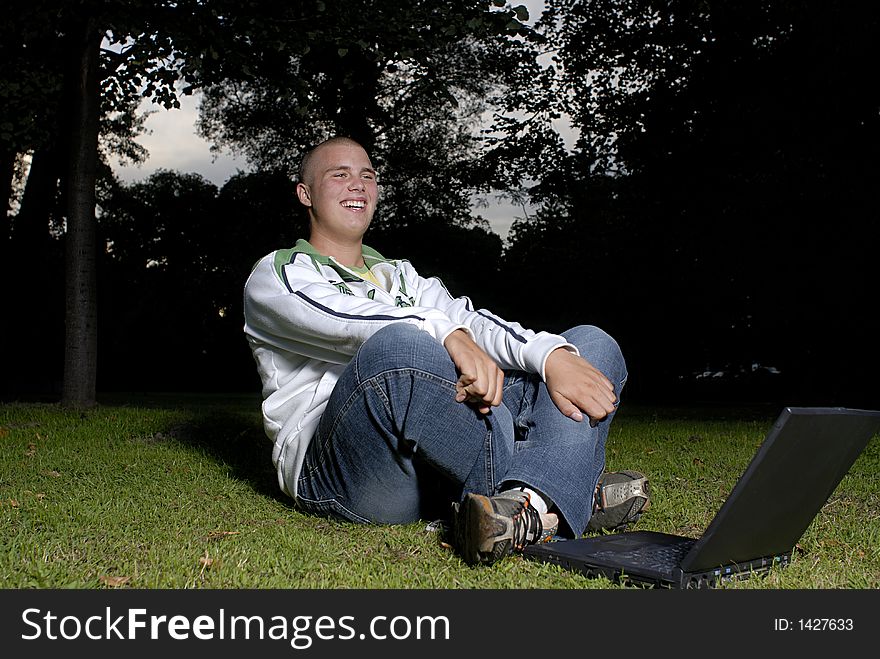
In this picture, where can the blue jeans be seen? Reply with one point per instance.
(393, 445)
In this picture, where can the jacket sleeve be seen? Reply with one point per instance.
(305, 314)
(511, 345)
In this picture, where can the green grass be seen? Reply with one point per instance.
(180, 493)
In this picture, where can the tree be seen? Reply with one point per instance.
(712, 160)
(63, 85)
(142, 58)
(81, 344)
(179, 252)
(413, 83)
(148, 49)
(409, 81)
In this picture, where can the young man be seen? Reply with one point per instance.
(388, 399)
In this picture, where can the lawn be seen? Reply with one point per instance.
(179, 492)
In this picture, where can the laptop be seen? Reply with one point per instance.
(804, 456)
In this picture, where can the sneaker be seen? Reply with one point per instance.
(486, 529)
(621, 498)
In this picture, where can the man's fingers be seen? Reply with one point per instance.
(604, 384)
(580, 407)
(567, 407)
(499, 388)
(578, 388)
(465, 379)
(601, 391)
(478, 395)
(461, 386)
(484, 392)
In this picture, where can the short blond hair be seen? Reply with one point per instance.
(306, 164)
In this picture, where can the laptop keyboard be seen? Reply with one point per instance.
(655, 557)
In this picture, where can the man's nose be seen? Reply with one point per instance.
(356, 184)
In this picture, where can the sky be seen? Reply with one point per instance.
(172, 143)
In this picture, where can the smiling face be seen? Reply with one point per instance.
(339, 189)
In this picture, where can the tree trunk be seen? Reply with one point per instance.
(81, 331)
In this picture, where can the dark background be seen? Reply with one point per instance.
(728, 238)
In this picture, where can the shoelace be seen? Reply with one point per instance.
(527, 526)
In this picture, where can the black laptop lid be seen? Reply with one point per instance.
(806, 454)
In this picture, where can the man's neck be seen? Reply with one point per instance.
(349, 254)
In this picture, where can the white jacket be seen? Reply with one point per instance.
(306, 315)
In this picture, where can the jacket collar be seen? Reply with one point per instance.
(370, 255)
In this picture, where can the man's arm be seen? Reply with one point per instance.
(493, 344)
(304, 313)
(480, 382)
(508, 343)
(575, 386)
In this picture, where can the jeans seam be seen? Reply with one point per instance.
(490, 462)
(333, 504)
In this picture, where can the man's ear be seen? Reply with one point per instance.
(305, 197)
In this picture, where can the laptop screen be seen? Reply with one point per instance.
(804, 457)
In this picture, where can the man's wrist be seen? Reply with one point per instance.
(454, 334)
(566, 349)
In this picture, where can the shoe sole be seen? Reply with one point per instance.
(625, 512)
(478, 531)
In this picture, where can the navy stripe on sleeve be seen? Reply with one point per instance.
(506, 328)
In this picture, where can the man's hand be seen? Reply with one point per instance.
(480, 382)
(577, 387)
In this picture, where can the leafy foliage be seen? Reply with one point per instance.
(411, 82)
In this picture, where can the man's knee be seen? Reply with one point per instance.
(401, 339)
(401, 345)
(592, 338)
(600, 349)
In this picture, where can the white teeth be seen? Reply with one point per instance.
(354, 204)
